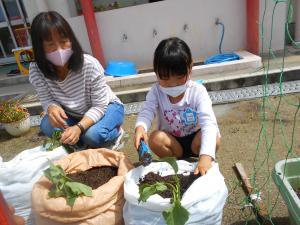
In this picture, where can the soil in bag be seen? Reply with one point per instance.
(185, 182)
(94, 177)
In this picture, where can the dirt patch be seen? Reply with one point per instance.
(184, 180)
(257, 140)
(11, 146)
(95, 177)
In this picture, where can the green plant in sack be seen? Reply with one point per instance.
(177, 214)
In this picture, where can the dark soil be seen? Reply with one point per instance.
(185, 182)
(95, 177)
(145, 159)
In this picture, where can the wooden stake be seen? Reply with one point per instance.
(259, 208)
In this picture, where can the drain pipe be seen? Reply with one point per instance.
(92, 29)
(297, 20)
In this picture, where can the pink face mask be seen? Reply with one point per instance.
(60, 57)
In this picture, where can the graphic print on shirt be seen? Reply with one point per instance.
(181, 122)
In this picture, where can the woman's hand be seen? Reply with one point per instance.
(204, 164)
(57, 117)
(70, 135)
(140, 133)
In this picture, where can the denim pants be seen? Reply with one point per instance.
(105, 130)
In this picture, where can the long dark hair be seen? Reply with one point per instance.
(172, 57)
(41, 28)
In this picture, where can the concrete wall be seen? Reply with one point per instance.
(168, 18)
(66, 8)
(78, 26)
(278, 25)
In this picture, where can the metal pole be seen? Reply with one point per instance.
(252, 26)
(297, 20)
(92, 29)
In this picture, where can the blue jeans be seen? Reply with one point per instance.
(105, 130)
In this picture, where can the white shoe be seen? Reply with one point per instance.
(118, 143)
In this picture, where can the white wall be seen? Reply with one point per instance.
(33, 7)
(66, 8)
(168, 18)
(78, 26)
(278, 25)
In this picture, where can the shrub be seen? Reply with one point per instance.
(12, 111)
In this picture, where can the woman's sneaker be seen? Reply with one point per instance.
(118, 144)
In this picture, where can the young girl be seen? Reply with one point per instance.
(187, 125)
(71, 86)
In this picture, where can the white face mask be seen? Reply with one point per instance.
(60, 57)
(174, 91)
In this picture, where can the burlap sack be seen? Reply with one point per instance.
(105, 207)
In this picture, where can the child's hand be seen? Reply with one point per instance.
(204, 164)
(140, 133)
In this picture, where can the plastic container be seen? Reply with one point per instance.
(286, 175)
(120, 68)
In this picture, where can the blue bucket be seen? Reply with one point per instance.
(120, 68)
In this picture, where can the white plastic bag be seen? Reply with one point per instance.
(204, 199)
(18, 176)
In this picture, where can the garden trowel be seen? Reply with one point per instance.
(145, 156)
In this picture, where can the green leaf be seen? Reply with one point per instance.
(79, 188)
(56, 134)
(176, 215)
(63, 186)
(147, 190)
(71, 201)
(55, 193)
(54, 171)
(54, 141)
(171, 161)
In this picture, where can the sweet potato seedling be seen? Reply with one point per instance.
(176, 214)
(63, 186)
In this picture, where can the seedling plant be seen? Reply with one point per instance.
(176, 214)
(63, 186)
(54, 142)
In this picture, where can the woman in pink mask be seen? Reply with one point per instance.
(71, 86)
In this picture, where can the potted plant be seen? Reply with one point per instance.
(176, 214)
(85, 187)
(14, 117)
(168, 192)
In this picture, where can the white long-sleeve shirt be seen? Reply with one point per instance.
(81, 93)
(192, 112)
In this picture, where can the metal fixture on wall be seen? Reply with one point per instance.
(185, 27)
(154, 32)
(124, 37)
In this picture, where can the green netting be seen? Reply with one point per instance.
(272, 129)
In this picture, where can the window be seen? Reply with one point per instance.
(104, 5)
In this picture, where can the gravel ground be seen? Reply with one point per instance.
(240, 125)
